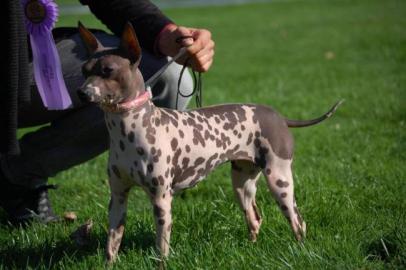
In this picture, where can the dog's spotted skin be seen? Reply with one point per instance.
(164, 150)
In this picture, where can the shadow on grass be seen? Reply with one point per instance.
(51, 253)
(390, 249)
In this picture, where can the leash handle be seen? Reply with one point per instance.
(197, 80)
(151, 81)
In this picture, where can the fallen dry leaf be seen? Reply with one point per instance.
(82, 234)
(329, 55)
(70, 216)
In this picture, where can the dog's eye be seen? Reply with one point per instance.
(107, 71)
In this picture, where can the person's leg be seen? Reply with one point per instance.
(79, 134)
(165, 89)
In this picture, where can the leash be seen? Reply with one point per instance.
(197, 79)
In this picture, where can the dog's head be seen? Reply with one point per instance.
(112, 75)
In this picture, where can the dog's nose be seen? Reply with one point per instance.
(82, 95)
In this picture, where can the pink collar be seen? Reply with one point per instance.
(129, 105)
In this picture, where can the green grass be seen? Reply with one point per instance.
(349, 171)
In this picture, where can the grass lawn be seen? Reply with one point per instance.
(300, 57)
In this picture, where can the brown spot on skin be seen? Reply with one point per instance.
(154, 181)
(185, 162)
(198, 138)
(206, 135)
(167, 129)
(122, 128)
(131, 136)
(174, 144)
(161, 222)
(150, 167)
(161, 180)
(235, 132)
(158, 211)
(249, 139)
(284, 207)
(181, 134)
(187, 148)
(168, 159)
(150, 135)
(284, 194)
(153, 150)
(184, 122)
(199, 161)
(242, 127)
(216, 131)
(116, 171)
(169, 227)
(268, 171)
(261, 159)
(122, 146)
(140, 151)
(282, 184)
(191, 122)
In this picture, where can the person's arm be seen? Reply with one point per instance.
(154, 30)
(147, 19)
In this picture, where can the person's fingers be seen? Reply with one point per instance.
(203, 62)
(202, 38)
(184, 36)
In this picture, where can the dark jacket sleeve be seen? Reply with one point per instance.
(147, 19)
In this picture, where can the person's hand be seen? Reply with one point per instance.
(198, 43)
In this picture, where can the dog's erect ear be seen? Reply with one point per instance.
(129, 44)
(91, 43)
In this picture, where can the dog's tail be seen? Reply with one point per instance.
(306, 123)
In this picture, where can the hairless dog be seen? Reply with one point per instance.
(164, 151)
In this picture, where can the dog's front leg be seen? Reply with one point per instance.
(117, 216)
(163, 220)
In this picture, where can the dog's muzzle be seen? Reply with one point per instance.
(84, 95)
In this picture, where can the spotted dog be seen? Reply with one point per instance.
(164, 151)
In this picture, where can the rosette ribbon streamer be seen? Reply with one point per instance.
(40, 18)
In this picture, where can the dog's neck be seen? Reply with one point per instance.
(138, 98)
(132, 104)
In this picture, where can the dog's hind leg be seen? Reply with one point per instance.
(280, 182)
(117, 217)
(244, 176)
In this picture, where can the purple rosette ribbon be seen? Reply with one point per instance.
(40, 18)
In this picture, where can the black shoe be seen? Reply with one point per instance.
(24, 205)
